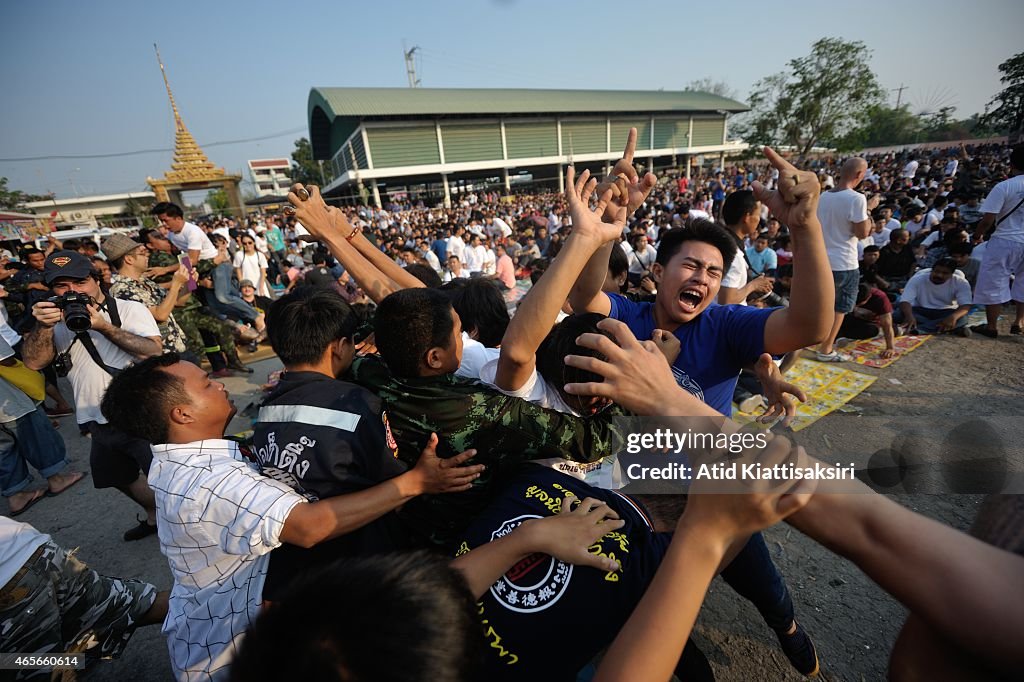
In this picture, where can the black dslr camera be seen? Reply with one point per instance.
(76, 314)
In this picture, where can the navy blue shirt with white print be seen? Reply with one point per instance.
(544, 619)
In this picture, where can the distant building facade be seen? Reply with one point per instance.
(402, 141)
(104, 210)
(270, 177)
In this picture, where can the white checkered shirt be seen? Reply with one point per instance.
(217, 519)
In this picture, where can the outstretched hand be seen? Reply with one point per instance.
(450, 475)
(734, 517)
(795, 202)
(605, 222)
(627, 188)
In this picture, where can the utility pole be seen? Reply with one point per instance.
(410, 65)
(899, 94)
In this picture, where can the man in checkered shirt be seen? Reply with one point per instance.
(218, 519)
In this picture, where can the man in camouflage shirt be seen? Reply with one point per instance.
(419, 337)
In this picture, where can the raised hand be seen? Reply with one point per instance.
(732, 517)
(795, 201)
(309, 208)
(667, 343)
(627, 188)
(605, 222)
(777, 391)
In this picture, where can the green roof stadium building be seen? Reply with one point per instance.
(438, 142)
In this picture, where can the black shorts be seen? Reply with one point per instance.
(116, 458)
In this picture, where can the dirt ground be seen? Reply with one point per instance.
(948, 381)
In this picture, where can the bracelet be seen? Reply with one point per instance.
(355, 230)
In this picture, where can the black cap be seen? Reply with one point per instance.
(66, 264)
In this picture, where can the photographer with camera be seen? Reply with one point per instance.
(89, 337)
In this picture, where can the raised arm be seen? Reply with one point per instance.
(650, 643)
(388, 268)
(336, 233)
(966, 590)
(629, 189)
(539, 309)
(808, 318)
(163, 311)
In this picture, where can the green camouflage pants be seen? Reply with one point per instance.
(193, 322)
(56, 604)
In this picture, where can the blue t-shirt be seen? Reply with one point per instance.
(763, 261)
(440, 249)
(715, 346)
(717, 191)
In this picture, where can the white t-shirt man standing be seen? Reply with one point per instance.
(1004, 252)
(843, 213)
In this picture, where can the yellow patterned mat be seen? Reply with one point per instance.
(867, 353)
(828, 387)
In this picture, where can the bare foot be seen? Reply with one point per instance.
(20, 502)
(61, 482)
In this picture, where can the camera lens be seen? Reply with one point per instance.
(76, 316)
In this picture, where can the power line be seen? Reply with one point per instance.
(150, 151)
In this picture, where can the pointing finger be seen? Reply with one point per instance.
(777, 160)
(627, 154)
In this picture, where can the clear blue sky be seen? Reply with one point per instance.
(81, 77)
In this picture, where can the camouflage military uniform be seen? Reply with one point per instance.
(505, 432)
(194, 321)
(57, 604)
(161, 259)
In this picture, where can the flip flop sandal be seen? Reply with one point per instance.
(28, 505)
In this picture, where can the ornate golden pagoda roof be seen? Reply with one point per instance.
(190, 163)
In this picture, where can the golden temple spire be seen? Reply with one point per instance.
(190, 163)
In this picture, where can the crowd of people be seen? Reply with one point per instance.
(437, 459)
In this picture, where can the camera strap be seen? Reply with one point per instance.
(90, 348)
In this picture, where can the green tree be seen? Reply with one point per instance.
(305, 168)
(139, 208)
(819, 99)
(720, 88)
(12, 199)
(883, 126)
(218, 200)
(1006, 110)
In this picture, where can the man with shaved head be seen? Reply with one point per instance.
(843, 213)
